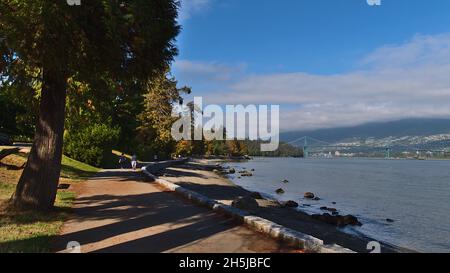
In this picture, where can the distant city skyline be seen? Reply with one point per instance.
(327, 63)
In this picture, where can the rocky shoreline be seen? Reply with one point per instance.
(210, 179)
(331, 217)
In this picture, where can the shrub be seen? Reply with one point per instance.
(91, 144)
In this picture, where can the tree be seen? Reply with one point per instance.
(122, 42)
(184, 148)
(154, 132)
(236, 147)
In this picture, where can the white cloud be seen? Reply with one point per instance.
(421, 50)
(192, 7)
(208, 71)
(394, 82)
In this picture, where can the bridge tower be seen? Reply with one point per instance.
(388, 152)
(305, 148)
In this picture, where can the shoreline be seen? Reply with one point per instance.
(198, 176)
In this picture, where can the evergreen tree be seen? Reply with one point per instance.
(123, 42)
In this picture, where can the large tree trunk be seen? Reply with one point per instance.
(39, 181)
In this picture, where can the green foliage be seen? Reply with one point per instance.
(91, 144)
(107, 51)
(18, 112)
(122, 40)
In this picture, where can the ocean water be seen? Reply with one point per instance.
(414, 193)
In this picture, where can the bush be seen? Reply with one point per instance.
(91, 144)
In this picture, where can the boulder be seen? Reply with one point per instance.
(390, 220)
(326, 218)
(285, 181)
(350, 220)
(256, 195)
(291, 204)
(275, 203)
(308, 195)
(329, 209)
(245, 173)
(280, 191)
(245, 203)
(337, 220)
(232, 171)
(316, 198)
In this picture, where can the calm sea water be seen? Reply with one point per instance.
(414, 193)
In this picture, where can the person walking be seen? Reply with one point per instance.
(122, 161)
(134, 161)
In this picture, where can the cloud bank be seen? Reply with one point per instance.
(393, 82)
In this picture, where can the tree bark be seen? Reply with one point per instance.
(39, 181)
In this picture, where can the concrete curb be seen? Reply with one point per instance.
(157, 166)
(294, 238)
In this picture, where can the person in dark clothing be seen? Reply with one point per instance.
(122, 161)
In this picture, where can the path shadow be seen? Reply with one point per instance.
(119, 175)
(179, 172)
(173, 238)
(138, 212)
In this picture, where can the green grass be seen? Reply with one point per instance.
(73, 169)
(31, 231)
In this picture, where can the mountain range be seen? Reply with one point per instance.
(400, 132)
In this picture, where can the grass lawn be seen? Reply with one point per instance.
(30, 231)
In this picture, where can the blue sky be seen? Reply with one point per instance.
(313, 57)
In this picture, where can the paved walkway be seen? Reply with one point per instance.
(117, 211)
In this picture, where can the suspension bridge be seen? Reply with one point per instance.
(312, 145)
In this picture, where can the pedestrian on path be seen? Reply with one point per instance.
(134, 161)
(122, 161)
